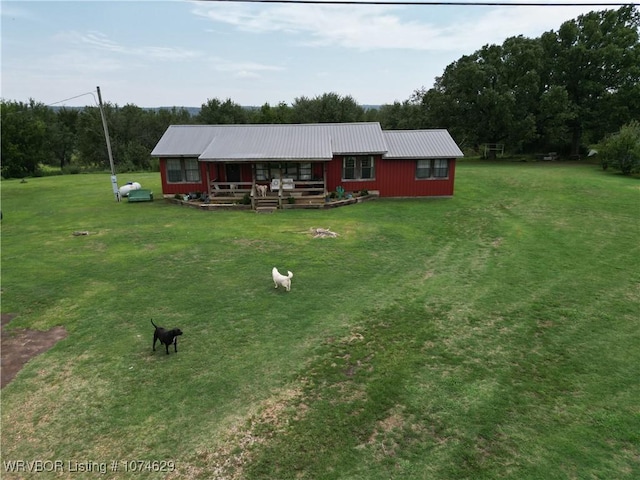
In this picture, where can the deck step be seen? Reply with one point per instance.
(266, 209)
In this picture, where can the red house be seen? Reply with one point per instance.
(304, 163)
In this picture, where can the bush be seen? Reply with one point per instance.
(622, 149)
(71, 169)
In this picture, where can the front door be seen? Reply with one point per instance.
(233, 172)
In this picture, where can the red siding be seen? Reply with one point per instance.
(245, 173)
(394, 178)
(216, 172)
(173, 188)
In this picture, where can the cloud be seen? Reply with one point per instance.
(103, 42)
(242, 69)
(372, 27)
(326, 25)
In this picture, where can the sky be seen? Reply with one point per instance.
(163, 53)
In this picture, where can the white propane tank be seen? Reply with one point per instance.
(125, 189)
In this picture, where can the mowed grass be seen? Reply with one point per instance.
(491, 335)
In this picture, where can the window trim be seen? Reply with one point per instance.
(434, 168)
(185, 172)
(358, 168)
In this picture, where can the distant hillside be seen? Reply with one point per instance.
(193, 111)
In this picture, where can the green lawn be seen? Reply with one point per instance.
(491, 335)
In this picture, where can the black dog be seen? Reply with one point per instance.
(166, 336)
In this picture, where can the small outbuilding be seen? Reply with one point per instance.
(305, 162)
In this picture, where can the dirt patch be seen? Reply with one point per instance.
(20, 345)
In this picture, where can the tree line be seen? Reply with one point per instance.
(564, 91)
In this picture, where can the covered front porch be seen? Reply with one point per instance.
(266, 184)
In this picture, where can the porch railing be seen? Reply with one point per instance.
(298, 187)
(312, 187)
(307, 191)
(229, 189)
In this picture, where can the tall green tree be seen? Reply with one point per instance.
(489, 96)
(400, 116)
(91, 144)
(596, 59)
(130, 137)
(24, 138)
(326, 108)
(63, 136)
(566, 88)
(281, 113)
(215, 112)
(133, 133)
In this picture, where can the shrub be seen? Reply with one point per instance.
(71, 169)
(622, 149)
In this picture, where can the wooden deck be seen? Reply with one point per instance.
(242, 195)
(310, 194)
(270, 204)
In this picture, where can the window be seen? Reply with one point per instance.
(290, 170)
(180, 170)
(423, 169)
(262, 171)
(191, 170)
(304, 171)
(297, 171)
(358, 168)
(349, 168)
(438, 168)
(174, 170)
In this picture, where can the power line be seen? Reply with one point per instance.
(433, 3)
(72, 98)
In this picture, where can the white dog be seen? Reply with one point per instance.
(279, 279)
(262, 190)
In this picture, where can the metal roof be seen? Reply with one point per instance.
(355, 138)
(310, 142)
(184, 141)
(268, 142)
(412, 144)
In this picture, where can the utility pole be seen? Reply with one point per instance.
(114, 180)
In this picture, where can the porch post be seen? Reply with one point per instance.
(208, 179)
(253, 186)
(280, 186)
(324, 178)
